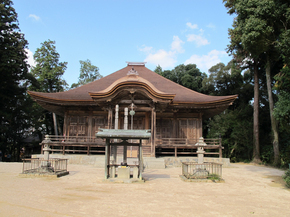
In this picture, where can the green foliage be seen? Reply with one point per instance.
(48, 73)
(14, 102)
(48, 70)
(214, 177)
(286, 178)
(186, 75)
(282, 109)
(88, 73)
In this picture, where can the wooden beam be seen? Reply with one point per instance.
(124, 101)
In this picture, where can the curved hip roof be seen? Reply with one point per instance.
(158, 85)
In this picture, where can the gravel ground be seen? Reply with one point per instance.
(248, 190)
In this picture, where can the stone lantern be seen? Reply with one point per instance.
(200, 150)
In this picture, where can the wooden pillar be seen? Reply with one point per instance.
(200, 125)
(153, 131)
(147, 120)
(107, 157)
(175, 125)
(54, 123)
(90, 125)
(140, 159)
(65, 124)
(114, 148)
(125, 128)
(110, 117)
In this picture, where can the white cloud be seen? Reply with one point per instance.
(30, 59)
(163, 58)
(176, 45)
(34, 17)
(198, 39)
(146, 49)
(166, 59)
(211, 26)
(191, 26)
(205, 62)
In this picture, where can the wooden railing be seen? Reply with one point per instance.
(166, 146)
(75, 144)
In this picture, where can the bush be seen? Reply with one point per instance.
(286, 178)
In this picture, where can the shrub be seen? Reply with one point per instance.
(286, 178)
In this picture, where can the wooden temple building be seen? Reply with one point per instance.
(172, 112)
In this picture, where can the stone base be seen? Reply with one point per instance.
(149, 162)
(177, 161)
(49, 175)
(183, 178)
(126, 181)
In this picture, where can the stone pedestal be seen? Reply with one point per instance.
(46, 149)
(200, 154)
(135, 173)
(124, 173)
(113, 172)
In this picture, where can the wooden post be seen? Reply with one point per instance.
(110, 117)
(125, 128)
(174, 125)
(65, 124)
(54, 124)
(220, 148)
(107, 157)
(88, 150)
(175, 151)
(114, 151)
(90, 126)
(154, 132)
(140, 159)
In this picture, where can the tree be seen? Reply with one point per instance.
(48, 73)
(48, 70)
(256, 35)
(234, 124)
(186, 75)
(88, 73)
(14, 105)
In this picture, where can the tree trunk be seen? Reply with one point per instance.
(54, 124)
(273, 120)
(256, 148)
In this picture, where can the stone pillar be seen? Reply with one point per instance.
(125, 128)
(200, 150)
(46, 150)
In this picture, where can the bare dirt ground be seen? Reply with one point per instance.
(248, 191)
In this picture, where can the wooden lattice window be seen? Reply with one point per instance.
(188, 128)
(78, 126)
(99, 122)
(164, 128)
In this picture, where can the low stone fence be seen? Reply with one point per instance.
(193, 170)
(38, 165)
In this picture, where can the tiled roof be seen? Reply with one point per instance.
(80, 95)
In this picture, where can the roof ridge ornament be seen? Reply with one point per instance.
(132, 72)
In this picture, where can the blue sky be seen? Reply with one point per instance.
(111, 32)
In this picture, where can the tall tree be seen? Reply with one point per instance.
(48, 72)
(88, 73)
(14, 105)
(257, 31)
(233, 125)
